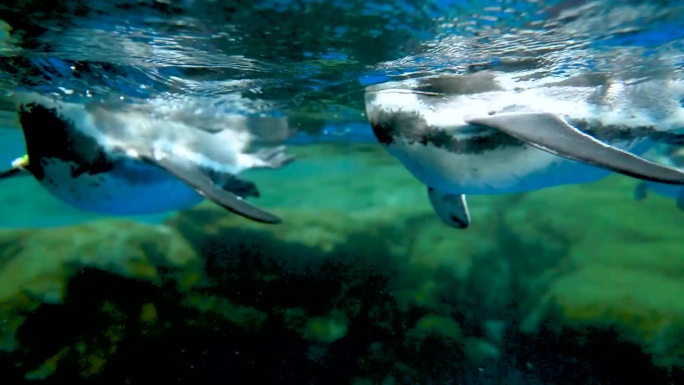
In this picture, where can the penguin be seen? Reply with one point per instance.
(486, 133)
(120, 161)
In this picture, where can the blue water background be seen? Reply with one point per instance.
(310, 60)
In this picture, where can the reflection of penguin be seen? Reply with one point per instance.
(126, 163)
(470, 134)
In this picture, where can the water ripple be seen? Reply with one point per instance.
(313, 56)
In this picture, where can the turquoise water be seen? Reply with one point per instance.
(361, 283)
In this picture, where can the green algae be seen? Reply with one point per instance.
(327, 329)
(436, 325)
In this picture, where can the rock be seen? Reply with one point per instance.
(339, 278)
(326, 329)
(366, 286)
(480, 351)
(248, 318)
(642, 307)
(436, 326)
(618, 282)
(39, 263)
(37, 267)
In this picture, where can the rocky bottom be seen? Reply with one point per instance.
(567, 286)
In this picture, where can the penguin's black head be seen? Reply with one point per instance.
(51, 137)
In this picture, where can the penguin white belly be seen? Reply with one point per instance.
(505, 170)
(131, 188)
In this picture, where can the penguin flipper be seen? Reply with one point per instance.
(551, 133)
(194, 177)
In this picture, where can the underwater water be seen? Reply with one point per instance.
(361, 283)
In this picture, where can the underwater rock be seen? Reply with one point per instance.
(87, 302)
(248, 318)
(639, 306)
(426, 263)
(435, 325)
(326, 329)
(360, 288)
(626, 296)
(612, 299)
(480, 351)
(381, 293)
(37, 267)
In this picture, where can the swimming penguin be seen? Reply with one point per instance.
(483, 133)
(121, 162)
(673, 157)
